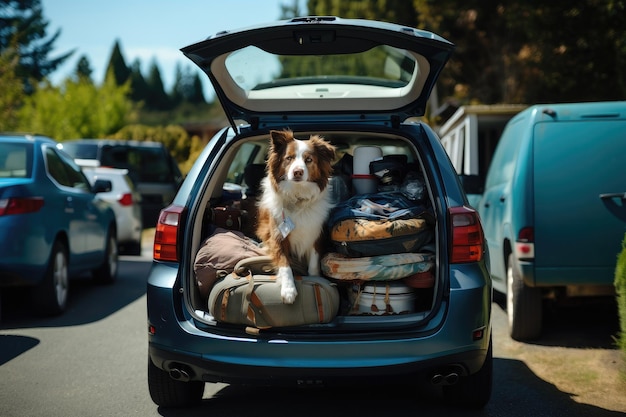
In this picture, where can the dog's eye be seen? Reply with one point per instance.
(289, 157)
(308, 160)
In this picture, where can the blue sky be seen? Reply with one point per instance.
(147, 29)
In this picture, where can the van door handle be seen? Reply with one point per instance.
(502, 198)
(608, 196)
(618, 209)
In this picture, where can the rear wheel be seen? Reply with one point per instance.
(523, 306)
(107, 272)
(167, 392)
(50, 296)
(473, 391)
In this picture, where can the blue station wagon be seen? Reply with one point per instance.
(356, 83)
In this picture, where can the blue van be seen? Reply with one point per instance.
(553, 207)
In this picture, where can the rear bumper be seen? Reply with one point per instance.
(206, 354)
(197, 368)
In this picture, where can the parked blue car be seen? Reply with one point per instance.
(53, 225)
(357, 83)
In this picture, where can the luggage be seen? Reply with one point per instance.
(382, 298)
(380, 224)
(219, 255)
(375, 268)
(250, 296)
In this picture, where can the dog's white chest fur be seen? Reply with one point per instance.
(305, 205)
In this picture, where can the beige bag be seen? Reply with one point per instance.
(251, 297)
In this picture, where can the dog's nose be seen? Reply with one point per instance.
(298, 173)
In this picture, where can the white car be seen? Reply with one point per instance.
(126, 203)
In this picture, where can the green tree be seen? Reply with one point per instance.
(77, 109)
(138, 85)
(156, 97)
(10, 89)
(23, 27)
(117, 67)
(187, 87)
(516, 51)
(83, 69)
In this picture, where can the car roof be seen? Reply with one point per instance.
(25, 137)
(115, 142)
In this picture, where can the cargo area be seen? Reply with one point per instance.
(392, 281)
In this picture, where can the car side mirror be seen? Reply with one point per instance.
(102, 186)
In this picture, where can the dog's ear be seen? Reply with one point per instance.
(279, 139)
(325, 150)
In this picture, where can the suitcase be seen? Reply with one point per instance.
(250, 296)
(380, 224)
(375, 268)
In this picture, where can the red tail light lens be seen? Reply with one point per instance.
(166, 234)
(525, 244)
(126, 199)
(467, 235)
(20, 205)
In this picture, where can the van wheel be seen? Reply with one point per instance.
(167, 392)
(473, 391)
(523, 306)
(50, 296)
(107, 272)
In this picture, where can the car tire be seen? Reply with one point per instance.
(167, 392)
(107, 272)
(523, 306)
(50, 296)
(473, 391)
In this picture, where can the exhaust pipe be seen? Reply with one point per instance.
(448, 379)
(178, 374)
(452, 378)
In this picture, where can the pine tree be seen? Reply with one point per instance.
(138, 85)
(22, 24)
(117, 65)
(156, 97)
(83, 70)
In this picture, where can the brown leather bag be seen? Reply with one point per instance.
(219, 254)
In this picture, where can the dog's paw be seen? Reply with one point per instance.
(288, 292)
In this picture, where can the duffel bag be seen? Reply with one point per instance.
(380, 224)
(219, 255)
(250, 296)
(375, 268)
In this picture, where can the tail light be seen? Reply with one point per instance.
(166, 234)
(20, 205)
(467, 235)
(525, 244)
(126, 199)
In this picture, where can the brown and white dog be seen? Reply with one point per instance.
(294, 205)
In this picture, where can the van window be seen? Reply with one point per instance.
(503, 162)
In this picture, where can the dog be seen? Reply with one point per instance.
(294, 205)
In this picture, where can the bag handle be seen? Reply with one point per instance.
(255, 265)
